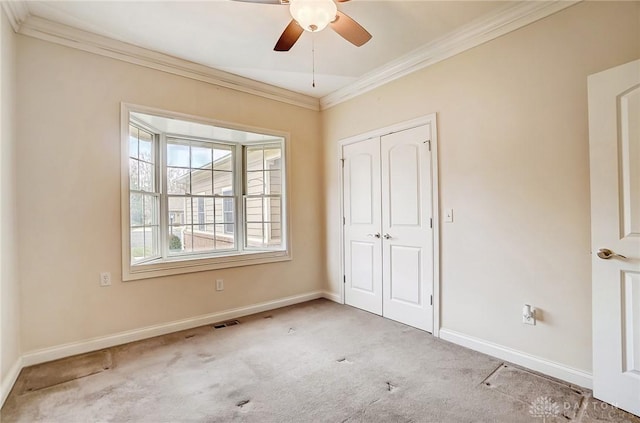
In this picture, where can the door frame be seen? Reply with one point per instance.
(430, 120)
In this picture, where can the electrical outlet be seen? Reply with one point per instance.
(448, 215)
(219, 285)
(528, 315)
(105, 279)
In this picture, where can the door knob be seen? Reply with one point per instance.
(377, 235)
(387, 236)
(606, 254)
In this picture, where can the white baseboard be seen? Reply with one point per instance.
(332, 296)
(547, 367)
(9, 379)
(93, 344)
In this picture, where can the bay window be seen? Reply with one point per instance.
(198, 195)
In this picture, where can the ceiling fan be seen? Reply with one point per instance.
(314, 16)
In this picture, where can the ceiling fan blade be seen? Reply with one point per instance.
(264, 1)
(350, 30)
(291, 33)
(342, 1)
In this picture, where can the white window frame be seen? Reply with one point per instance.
(201, 262)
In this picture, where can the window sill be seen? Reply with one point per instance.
(190, 265)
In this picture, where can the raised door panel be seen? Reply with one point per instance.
(631, 323)
(404, 185)
(362, 268)
(629, 151)
(361, 189)
(405, 275)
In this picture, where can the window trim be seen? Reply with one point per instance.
(181, 264)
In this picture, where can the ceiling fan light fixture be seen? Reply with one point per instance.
(313, 15)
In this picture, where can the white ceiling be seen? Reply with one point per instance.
(239, 37)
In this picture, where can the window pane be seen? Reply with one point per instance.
(273, 207)
(274, 234)
(255, 158)
(147, 176)
(273, 182)
(208, 211)
(198, 213)
(176, 210)
(137, 244)
(203, 238)
(177, 181)
(145, 135)
(272, 157)
(255, 235)
(151, 241)
(253, 210)
(175, 238)
(255, 183)
(134, 182)
(133, 141)
(224, 239)
(188, 238)
(223, 183)
(146, 150)
(200, 157)
(150, 210)
(223, 160)
(201, 182)
(225, 210)
(136, 209)
(177, 155)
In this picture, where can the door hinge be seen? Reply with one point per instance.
(431, 222)
(344, 278)
(429, 143)
(432, 300)
(342, 160)
(344, 220)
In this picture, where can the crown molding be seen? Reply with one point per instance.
(17, 12)
(68, 36)
(507, 19)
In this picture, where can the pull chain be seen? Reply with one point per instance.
(313, 60)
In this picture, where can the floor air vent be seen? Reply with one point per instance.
(225, 324)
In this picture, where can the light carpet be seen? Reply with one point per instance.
(313, 362)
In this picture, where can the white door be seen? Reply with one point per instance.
(407, 250)
(362, 242)
(614, 142)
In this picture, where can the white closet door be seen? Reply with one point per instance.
(362, 242)
(407, 254)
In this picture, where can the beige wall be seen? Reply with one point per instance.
(512, 119)
(69, 197)
(9, 288)
(512, 123)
